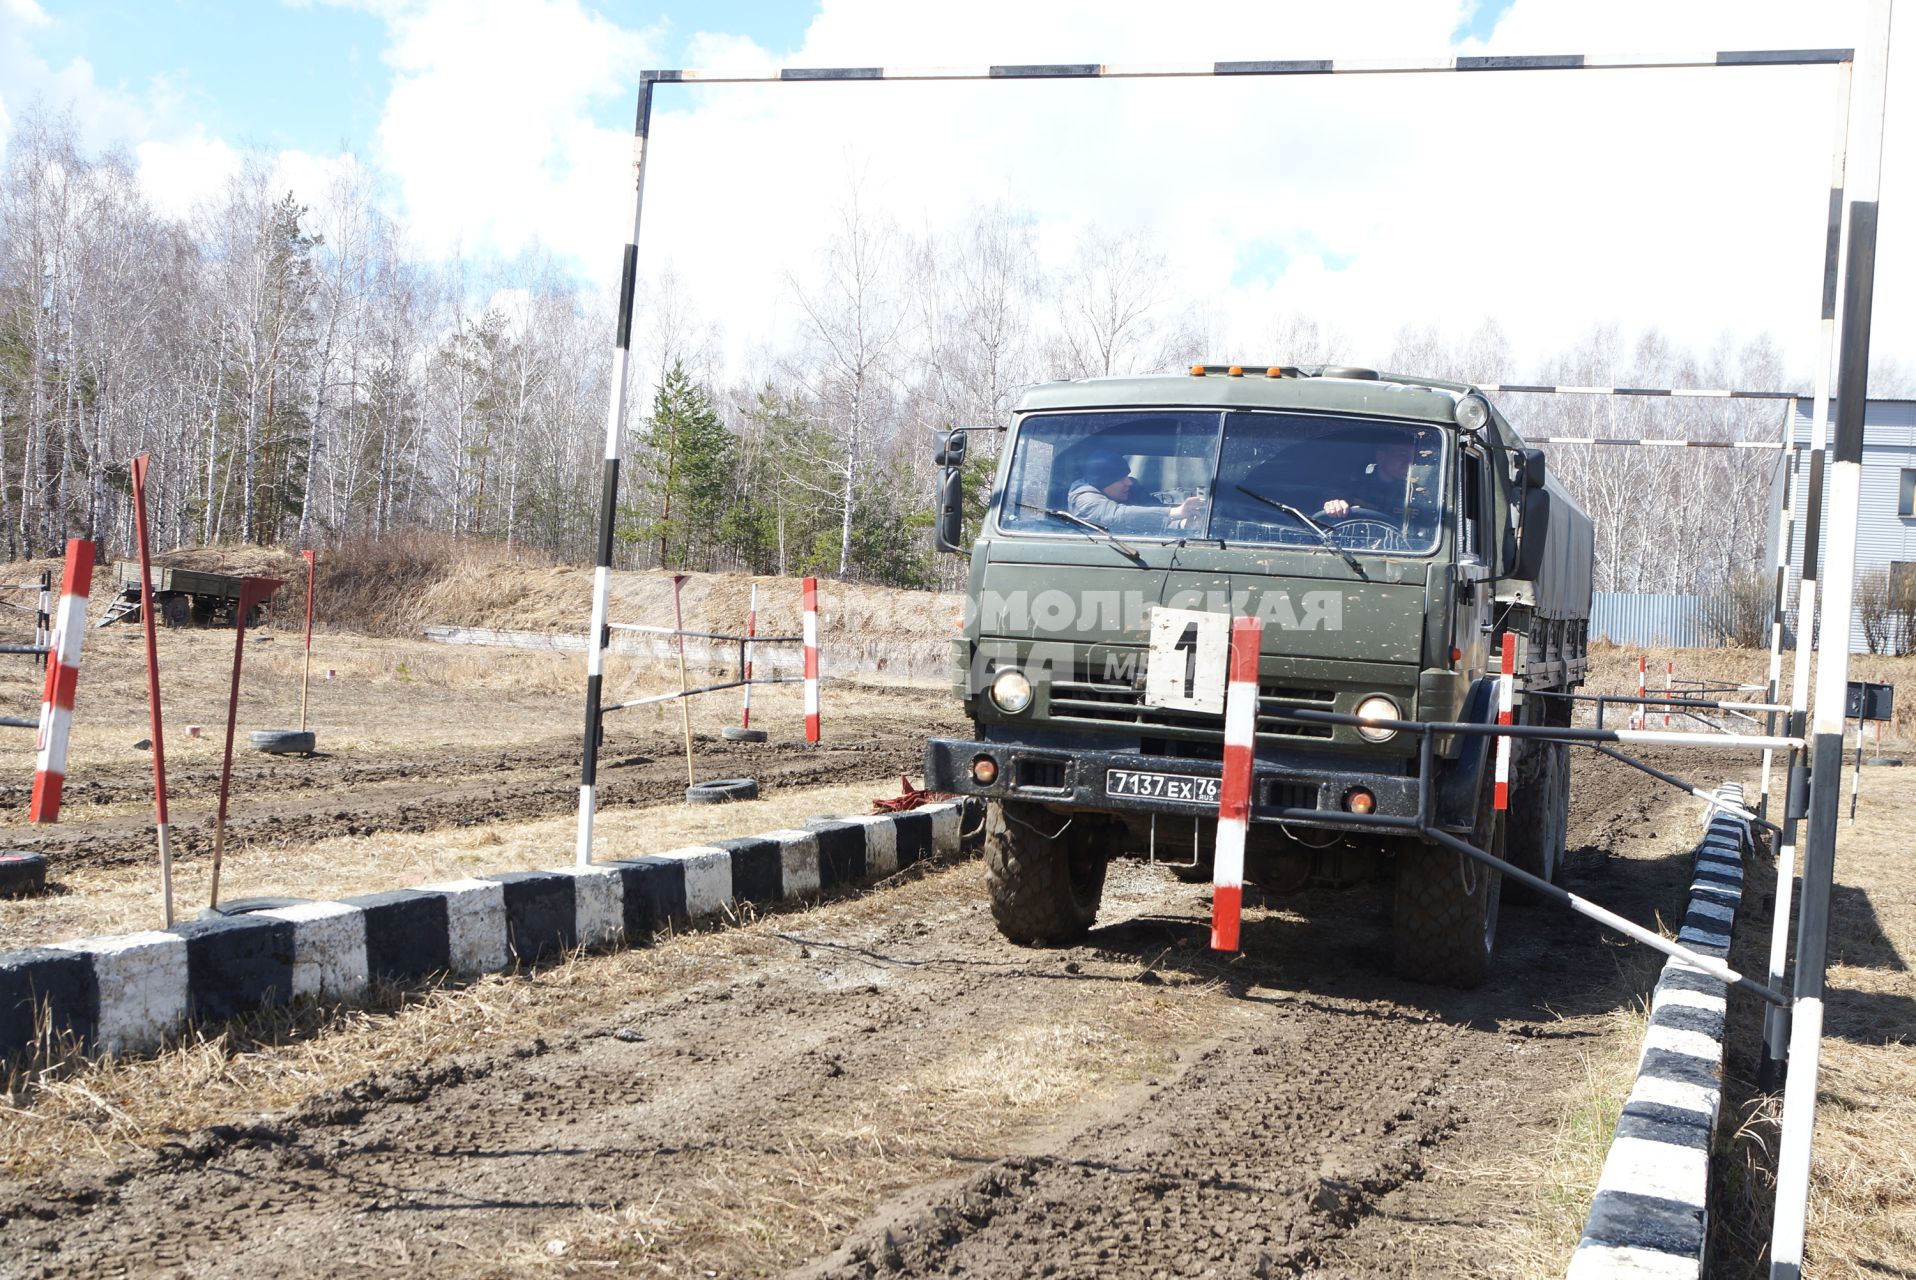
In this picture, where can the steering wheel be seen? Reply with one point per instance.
(1365, 531)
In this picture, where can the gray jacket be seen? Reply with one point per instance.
(1087, 502)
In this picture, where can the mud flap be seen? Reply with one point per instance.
(1459, 780)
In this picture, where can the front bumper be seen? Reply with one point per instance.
(1076, 778)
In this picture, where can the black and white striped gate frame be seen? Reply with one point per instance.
(1850, 257)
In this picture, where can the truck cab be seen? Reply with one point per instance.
(1389, 531)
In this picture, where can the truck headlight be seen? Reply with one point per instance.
(1011, 691)
(1376, 707)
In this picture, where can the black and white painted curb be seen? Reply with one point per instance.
(1650, 1217)
(126, 994)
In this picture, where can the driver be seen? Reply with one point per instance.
(1102, 495)
(1379, 490)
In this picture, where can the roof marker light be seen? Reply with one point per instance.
(1197, 371)
(1237, 371)
(1274, 372)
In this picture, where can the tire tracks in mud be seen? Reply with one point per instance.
(300, 801)
(1305, 1097)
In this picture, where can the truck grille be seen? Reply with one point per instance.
(1108, 703)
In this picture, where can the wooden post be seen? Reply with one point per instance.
(685, 703)
(306, 674)
(162, 826)
(252, 592)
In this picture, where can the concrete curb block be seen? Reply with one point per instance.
(128, 993)
(1650, 1217)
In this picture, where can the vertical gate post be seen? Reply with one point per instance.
(595, 640)
(810, 601)
(1832, 674)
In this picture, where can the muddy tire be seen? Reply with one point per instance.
(723, 791)
(733, 733)
(22, 875)
(1444, 922)
(284, 742)
(1045, 873)
(1539, 817)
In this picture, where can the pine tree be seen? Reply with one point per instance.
(691, 454)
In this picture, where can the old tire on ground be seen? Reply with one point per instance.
(1444, 921)
(175, 610)
(22, 874)
(246, 906)
(1045, 873)
(283, 742)
(734, 733)
(721, 791)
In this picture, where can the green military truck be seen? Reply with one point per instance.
(1389, 530)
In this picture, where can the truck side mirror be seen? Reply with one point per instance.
(951, 450)
(1536, 530)
(951, 510)
(1533, 468)
(950, 457)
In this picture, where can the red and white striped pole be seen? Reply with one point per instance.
(751, 629)
(1234, 792)
(1669, 688)
(1637, 716)
(63, 676)
(811, 659)
(1506, 704)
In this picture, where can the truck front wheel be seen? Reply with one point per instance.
(1445, 919)
(1045, 871)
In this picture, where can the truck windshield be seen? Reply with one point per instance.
(1281, 478)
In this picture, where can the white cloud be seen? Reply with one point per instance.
(489, 134)
(179, 173)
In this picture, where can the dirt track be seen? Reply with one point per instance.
(882, 1086)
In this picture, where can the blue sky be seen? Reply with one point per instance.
(225, 63)
(1692, 201)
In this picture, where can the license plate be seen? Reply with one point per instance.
(1160, 786)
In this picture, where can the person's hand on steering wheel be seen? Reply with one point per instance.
(1338, 508)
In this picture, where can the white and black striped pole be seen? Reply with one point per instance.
(1776, 1023)
(1863, 184)
(1785, 534)
(595, 643)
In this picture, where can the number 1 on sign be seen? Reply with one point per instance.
(1184, 669)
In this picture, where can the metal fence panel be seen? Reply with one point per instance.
(1648, 618)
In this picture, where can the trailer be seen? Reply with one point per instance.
(181, 597)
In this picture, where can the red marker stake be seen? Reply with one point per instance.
(1506, 690)
(811, 659)
(1234, 792)
(161, 825)
(63, 678)
(252, 592)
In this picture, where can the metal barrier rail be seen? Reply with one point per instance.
(1424, 824)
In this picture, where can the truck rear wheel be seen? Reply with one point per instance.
(1045, 872)
(1540, 809)
(1444, 922)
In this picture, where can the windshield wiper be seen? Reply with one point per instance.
(1123, 546)
(1323, 534)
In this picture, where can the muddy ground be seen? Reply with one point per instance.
(412, 737)
(882, 1086)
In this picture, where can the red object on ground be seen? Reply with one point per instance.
(1234, 792)
(811, 659)
(63, 677)
(908, 798)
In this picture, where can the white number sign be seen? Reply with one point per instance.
(1185, 668)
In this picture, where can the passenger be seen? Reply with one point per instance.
(1102, 496)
